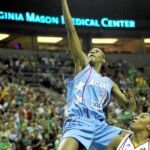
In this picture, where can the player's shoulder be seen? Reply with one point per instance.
(123, 140)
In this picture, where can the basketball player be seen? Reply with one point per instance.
(88, 92)
(139, 140)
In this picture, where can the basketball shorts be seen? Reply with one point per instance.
(91, 133)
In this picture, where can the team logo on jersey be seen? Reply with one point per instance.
(100, 85)
(80, 86)
(78, 100)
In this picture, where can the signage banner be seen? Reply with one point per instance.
(35, 18)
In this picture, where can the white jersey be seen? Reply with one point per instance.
(126, 144)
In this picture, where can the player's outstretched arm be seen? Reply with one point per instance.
(80, 59)
(126, 100)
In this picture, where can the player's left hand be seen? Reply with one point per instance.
(131, 99)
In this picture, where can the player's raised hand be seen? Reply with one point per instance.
(131, 99)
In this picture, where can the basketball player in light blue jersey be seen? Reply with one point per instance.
(88, 92)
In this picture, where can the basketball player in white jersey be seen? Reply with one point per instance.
(139, 139)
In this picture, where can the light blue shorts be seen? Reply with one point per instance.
(91, 133)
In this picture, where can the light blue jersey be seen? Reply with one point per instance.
(87, 95)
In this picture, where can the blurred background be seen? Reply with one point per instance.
(35, 61)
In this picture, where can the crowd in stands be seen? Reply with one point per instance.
(128, 77)
(31, 117)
